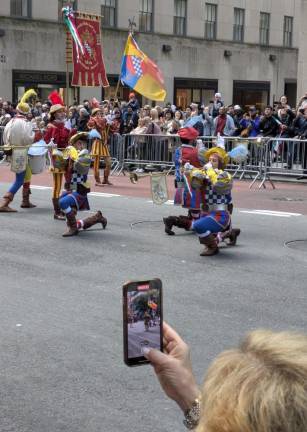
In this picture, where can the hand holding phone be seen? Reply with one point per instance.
(142, 319)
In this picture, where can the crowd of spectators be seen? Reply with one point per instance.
(280, 120)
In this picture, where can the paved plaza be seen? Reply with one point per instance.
(61, 330)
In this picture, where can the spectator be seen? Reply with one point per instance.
(83, 120)
(237, 118)
(260, 386)
(166, 125)
(300, 132)
(175, 126)
(130, 120)
(208, 124)
(133, 102)
(269, 125)
(179, 117)
(251, 123)
(217, 103)
(223, 123)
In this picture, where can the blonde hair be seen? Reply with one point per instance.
(259, 387)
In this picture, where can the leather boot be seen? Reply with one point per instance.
(58, 214)
(97, 179)
(72, 228)
(232, 235)
(26, 199)
(169, 222)
(95, 219)
(4, 206)
(210, 243)
(178, 221)
(106, 174)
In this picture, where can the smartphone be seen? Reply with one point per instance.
(142, 319)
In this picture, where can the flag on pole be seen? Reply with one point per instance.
(140, 73)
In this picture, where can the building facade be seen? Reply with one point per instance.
(251, 52)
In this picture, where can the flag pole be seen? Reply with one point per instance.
(68, 61)
(131, 26)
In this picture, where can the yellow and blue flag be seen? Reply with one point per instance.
(140, 73)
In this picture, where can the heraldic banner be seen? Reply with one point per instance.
(88, 68)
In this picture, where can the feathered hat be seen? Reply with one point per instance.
(223, 156)
(23, 107)
(57, 102)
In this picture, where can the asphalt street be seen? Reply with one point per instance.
(138, 336)
(61, 354)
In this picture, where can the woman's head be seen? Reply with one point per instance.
(178, 115)
(259, 387)
(154, 114)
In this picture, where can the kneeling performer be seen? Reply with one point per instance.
(76, 199)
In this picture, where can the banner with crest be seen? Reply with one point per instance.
(88, 64)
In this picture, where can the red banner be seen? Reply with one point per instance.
(89, 69)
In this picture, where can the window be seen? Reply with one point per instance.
(288, 31)
(108, 12)
(63, 3)
(238, 26)
(180, 17)
(264, 35)
(145, 17)
(210, 21)
(21, 8)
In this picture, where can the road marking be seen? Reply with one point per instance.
(40, 187)
(105, 195)
(271, 213)
(169, 202)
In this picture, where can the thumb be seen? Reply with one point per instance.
(155, 356)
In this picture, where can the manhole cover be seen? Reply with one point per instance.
(289, 199)
(300, 245)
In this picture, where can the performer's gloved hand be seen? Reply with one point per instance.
(188, 166)
(208, 165)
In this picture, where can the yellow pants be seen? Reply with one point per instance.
(57, 185)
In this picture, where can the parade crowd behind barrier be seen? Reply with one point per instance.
(144, 138)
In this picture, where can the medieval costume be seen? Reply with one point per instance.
(100, 149)
(186, 153)
(18, 133)
(214, 224)
(57, 134)
(75, 199)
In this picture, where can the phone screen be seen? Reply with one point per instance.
(142, 310)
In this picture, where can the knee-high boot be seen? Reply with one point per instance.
(72, 228)
(26, 192)
(210, 243)
(178, 221)
(93, 220)
(106, 173)
(4, 206)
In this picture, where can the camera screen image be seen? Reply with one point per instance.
(144, 310)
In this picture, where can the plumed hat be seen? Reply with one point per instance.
(221, 154)
(188, 133)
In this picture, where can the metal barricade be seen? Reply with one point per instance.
(137, 151)
(285, 157)
(253, 166)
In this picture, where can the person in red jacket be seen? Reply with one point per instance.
(60, 135)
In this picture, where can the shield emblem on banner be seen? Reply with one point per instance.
(159, 190)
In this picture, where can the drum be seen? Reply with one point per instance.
(37, 164)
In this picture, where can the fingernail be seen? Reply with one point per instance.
(145, 350)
